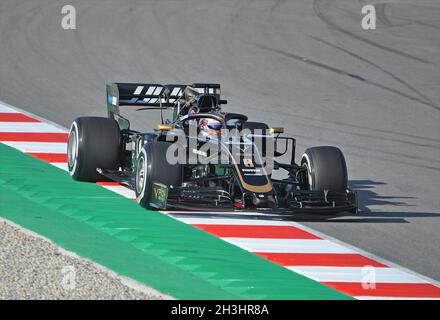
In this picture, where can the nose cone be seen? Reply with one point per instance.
(264, 200)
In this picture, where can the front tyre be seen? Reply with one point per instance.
(153, 167)
(326, 169)
(94, 142)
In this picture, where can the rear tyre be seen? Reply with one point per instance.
(153, 167)
(326, 169)
(94, 142)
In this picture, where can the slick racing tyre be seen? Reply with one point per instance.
(326, 169)
(153, 167)
(94, 142)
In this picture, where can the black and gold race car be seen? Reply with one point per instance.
(204, 158)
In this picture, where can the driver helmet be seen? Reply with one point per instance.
(210, 126)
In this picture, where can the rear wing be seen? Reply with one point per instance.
(142, 95)
(155, 95)
(151, 95)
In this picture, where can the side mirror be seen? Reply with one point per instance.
(163, 127)
(276, 130)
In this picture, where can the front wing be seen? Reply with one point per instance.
(216, 199)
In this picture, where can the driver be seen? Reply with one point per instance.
(209, 126)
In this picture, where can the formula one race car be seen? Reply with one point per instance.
(204, 158)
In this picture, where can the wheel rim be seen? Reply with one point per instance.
(305, 162)
(72, 151)
(308, 176)
(140, 175)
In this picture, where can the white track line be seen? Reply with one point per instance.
(39, 147)
(6, 109)
(357, 274)
(233, 215)
(37, 127)
(61, 165)
(122, 190)
(220, 221)
(288, 245)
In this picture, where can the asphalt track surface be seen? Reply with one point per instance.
(304, 65)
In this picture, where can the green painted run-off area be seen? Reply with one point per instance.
(147, 246)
